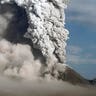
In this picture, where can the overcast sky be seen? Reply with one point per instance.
(81, 50)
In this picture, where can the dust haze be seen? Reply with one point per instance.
(8, 87)
(16, 57)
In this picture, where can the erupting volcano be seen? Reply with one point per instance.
(33, 42)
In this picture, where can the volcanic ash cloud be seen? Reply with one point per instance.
(32, 50)
(46, 33)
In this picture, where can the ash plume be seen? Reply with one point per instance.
(16, 58)
(38, 24)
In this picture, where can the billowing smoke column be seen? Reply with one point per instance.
(38, 48)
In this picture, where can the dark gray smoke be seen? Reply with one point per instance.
(14, 23)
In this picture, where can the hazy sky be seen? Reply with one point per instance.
(81, 50)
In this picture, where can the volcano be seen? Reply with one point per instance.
(33, 41)
(37, 28)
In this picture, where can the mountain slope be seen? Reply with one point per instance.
(72, 76)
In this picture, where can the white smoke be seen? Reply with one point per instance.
(17, 60)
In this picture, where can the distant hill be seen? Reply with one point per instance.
(73, 77)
